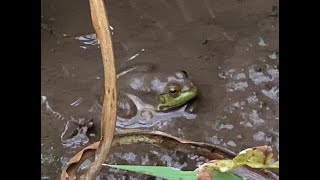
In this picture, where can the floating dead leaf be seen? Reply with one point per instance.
(69, 171)
(164, 140)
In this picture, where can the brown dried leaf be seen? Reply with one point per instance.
(161, 139)
(69, 171)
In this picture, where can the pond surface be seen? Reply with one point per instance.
(229, 49)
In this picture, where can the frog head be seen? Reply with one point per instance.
(178, 92)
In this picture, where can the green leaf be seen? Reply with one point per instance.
(170, 173)
(160, 171)
(217, 175)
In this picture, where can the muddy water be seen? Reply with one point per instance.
(229, 48)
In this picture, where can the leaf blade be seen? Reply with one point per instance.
(159, 171)
(170, 173)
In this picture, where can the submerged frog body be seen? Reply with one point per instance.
(146, 97)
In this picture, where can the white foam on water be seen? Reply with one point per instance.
(261, 42)
(231, 143)
(273, 93)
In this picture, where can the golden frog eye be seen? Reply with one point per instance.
(174, 90)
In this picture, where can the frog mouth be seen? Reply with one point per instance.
(162, 108)
(168, 108)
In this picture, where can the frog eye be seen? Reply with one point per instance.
(174, 91)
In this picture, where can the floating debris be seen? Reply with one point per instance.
(261, 136)
(77, 102)
(44, 101)
(231, 143)
(273, 93)
(261, 42)
(132, 57)
(273, 56)
(237, 86)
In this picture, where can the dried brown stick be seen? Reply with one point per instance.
(101, 25)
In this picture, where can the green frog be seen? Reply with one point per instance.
(147, 96)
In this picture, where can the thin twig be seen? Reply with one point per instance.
(101, 25)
